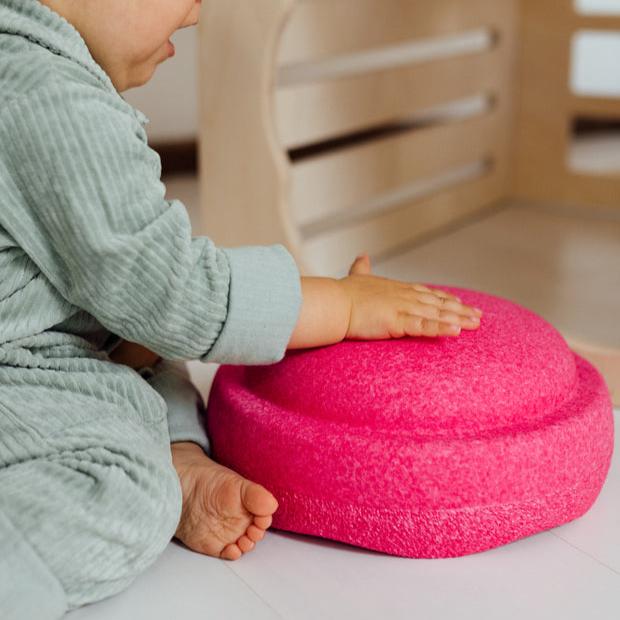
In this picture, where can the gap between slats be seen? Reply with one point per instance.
(310, 113)
(345, 183)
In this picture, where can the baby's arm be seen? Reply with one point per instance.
(367, 307)
(327, 309)
(324, 314)
(95, 220)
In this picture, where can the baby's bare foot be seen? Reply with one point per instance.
(224, 514)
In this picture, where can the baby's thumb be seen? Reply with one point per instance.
(361, 265)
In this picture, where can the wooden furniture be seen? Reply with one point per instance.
(338, 127)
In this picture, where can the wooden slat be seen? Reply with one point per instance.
(596, 22)
(592, 189)
(543, 134)
(333, 183)
(547, 109)
(325, 28)
(313, 112)
(382, 233)
(598, 107)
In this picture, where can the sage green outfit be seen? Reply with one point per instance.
(91, 253)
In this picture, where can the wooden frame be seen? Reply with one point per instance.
(548, 108)
(315, 133)
(250, 179)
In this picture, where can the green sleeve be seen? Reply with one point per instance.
(93, 216)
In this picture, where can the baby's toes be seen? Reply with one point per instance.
(257, 499)
(245, 544)
(231, 552)
(255, 533)
(263, 522)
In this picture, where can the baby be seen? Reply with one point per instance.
(105, 293)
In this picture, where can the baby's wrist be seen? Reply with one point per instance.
(348, 304)
(324, 314)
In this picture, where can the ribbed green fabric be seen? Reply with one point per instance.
(91, 252)
(88, 494)
(89, 244)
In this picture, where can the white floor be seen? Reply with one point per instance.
(569, 572)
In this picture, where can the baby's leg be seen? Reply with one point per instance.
(184, 403)
(88, 494)
(224, 514)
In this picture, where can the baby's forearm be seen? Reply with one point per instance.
(324, 315)
(323, 320)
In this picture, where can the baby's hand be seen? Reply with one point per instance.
(382, 308)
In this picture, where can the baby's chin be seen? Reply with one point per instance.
(143, 72)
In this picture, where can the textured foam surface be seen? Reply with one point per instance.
(423, 447)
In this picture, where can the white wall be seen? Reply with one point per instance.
(598, 7)
(596, 64)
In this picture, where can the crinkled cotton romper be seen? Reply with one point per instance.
(92, 252)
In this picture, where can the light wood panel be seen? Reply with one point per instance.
(594, 107)
(333, 183)
(244, 188)
(325, 28)
(313, 112)
(548, 108)
(594, 22)
(382, 233)
(428, 84)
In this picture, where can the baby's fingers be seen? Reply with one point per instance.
(421, 326)
(448, 304)
(443, 299)
(435, 291)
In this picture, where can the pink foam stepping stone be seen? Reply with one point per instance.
(422, 447)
